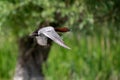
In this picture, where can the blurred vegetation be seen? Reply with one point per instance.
(94, 39)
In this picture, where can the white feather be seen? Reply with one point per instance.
(50, 33)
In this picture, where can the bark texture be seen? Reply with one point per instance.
(30, 59)
(31, 55)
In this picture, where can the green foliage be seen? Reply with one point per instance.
(94, 39)
(90, 58)
(8, 50)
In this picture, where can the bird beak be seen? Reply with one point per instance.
(62, 29)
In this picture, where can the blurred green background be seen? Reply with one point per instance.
(94, 38)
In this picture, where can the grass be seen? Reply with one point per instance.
(8, 53)
(90, 58)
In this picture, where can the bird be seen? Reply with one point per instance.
(50, 32)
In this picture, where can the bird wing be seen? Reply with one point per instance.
(55, 37)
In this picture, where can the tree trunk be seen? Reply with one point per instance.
(31, 55)
(30, 58)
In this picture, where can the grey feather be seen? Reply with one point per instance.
(50, 33)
